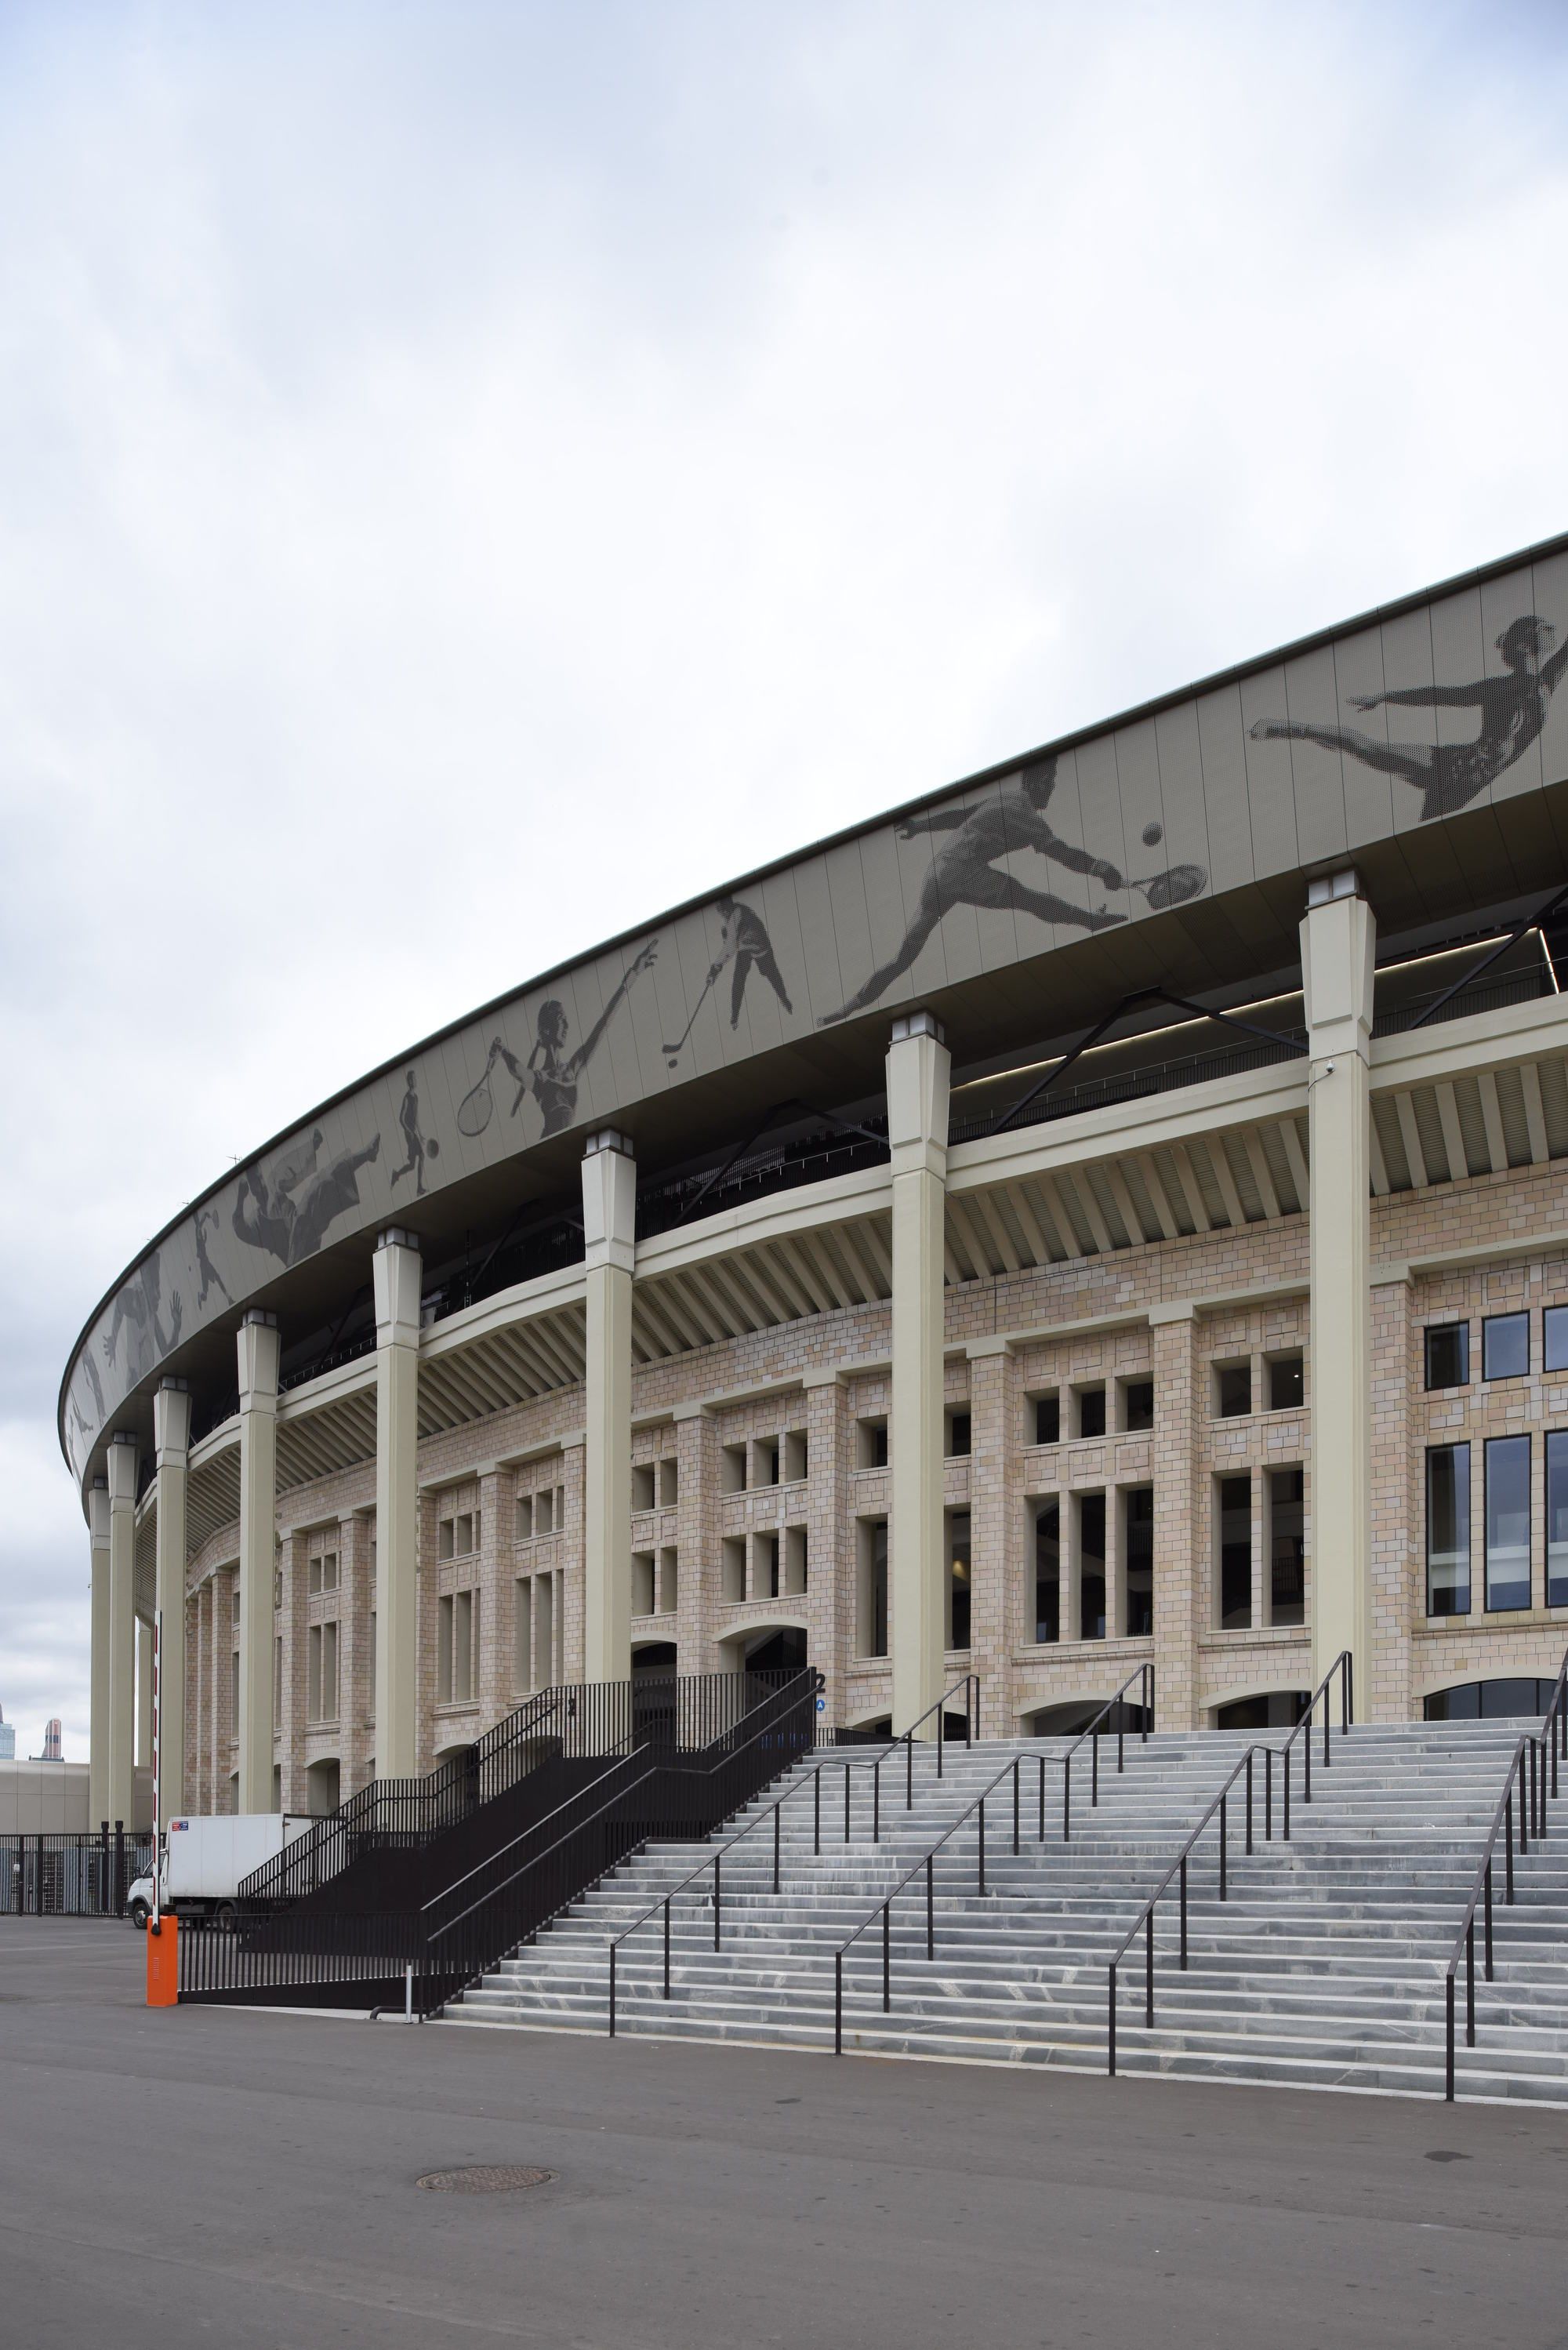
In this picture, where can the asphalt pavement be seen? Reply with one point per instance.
(202, 2175)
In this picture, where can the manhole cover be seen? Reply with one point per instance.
(485, 2178)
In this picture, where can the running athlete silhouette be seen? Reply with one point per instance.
(1448, 775)
(965, 871)
(210, 1278)
(409, 1119)
(550, 1078)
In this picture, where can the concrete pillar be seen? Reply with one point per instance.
(917, 1072)
(144, 1694)
(258, 1345)
(98, 1747)
(1338, 940)
(1183, 1552)
(123, 1468)
(398, 1270)
(171, 1437)
(609, 1223)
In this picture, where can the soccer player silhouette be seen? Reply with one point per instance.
(1448, 775)
(413, 1138)
(966, 871)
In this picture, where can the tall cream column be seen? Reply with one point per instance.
(398, 1270)
(98, 1747)
(122, 1466)
(1338, 940)
(609, 1229)
(144, 1694)
(258, 1345)
(171, 1436)
(918, 1070)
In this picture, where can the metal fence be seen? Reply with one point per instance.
(84, 1874)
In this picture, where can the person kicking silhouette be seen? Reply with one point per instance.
(1448, 775)
(965, 871)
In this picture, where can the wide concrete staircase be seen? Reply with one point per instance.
(1325, 1967)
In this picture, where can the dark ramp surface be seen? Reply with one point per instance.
(208, 2176)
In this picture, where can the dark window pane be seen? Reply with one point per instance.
(1138, 1403)
(1449, 1355)
(1557, 1519)
(1092, 1567)
(1497, 1700)
(1287, 1389)
(1505, 1346)
(958, 1435)
(1047, 1419)
(958, 1611)
(1508, 1521)
(1137, 1539)
(1235, 1553)
(1287, 1546)
(1091, 1412)
(1555, 1331)
(1048, 1570)
(1448, 1530)
(1233, 1383)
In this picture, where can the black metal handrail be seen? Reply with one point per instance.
(1528, 1771)
(1142, 1924)
(1144, 1675)
(772, 1811)
(970, 1684)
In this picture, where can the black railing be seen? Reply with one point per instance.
(423, 1954)
(77, 1875)
(1532, 1780)
(575, 1722)
(926, 1865)
(1343, 1668)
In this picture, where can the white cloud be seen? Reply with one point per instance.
(471, 476)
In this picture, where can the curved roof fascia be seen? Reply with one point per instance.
(290, 1188)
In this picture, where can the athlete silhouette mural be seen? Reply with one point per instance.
(967, 870)
(288, 1211)
(210, 1278)
(743, 942)
(550, 1073)
(414, 1142)
(139, 1308)
(1448, 775)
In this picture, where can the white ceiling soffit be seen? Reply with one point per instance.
(819, 1268)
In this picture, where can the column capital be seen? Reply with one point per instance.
(172, 1423)
(397, 1272)
(609, 1202)
(98, 1514)
(918, 1066)
(1339, 940)
(258, 1350)
(124, 1458)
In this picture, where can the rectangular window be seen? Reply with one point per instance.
(1232, 1390)
(523, 1634)
(1286, 1385)
(733, 1567)
(1048, 1570)
(733, 1468)
(958, 1579)
(1447, 1354)
(642, 1486)
(1090, 1508)
(796, 1457)
(1554, 1330)
(1287, 1546)
(1048, 1419)
(1234, 1501)
(1089, 1411)
(642, 1583)
(444, 1651)
(313, 1580)
(1557, 1519)
(1137, 1560)
(465, 1647)
(668, 1483)
(1448, 1529)
(669, 1581)
(1507, 1521)
(329, 1570)
(444, 1544)
(958, 1435)
(329, 1697)
(794, 1561)
(872, 1451)
(545, 1631)
(1138, 1406)
(544, 1511)
(765, 1462)
(525, 1517)
(871, 1588)
(765, 1566)
(1505, 1346)
(312, 1673)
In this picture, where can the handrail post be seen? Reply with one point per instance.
(1149, 1967)
(1306, 1761)
(1249, 1802)
(1268, 1795)
(1121, 1742)
(612, 1992)
(1146, 1691)
(1286, 1832)
(886, 1957)
(1184, 1913)
(930, 1905)
(846, 1771)
(1448, 2089)
(1489, 1976)
(1508, 1848)
(909, 1773)
(877, 1801)
(1067, 1800)
(970, 1688)
(1327, 1726)
(838, 2002)
(1015, 1762)
(1094, 1766)
(1470, 1980)
(1040, 1837)
(983, 1843)
(778, 1813)
(716, 1899)
(666, 1949)
(816, 1812)
(1222, 1894)
(1111, 2024)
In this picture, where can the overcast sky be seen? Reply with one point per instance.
(474, 475)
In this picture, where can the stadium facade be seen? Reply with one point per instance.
(1114, 1209)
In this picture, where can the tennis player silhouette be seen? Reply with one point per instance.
(1448, 775)
(966, 871)
(550, 1074)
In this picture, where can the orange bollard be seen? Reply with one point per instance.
(163, 1962)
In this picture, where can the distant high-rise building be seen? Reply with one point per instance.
(52, 1740)
(8, 1740)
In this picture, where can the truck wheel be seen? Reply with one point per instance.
(225, 1910)
(139, 1914)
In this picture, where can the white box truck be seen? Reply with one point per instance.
(203, 1862)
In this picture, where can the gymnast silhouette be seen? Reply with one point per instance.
(965, 871)
(1448, 775)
